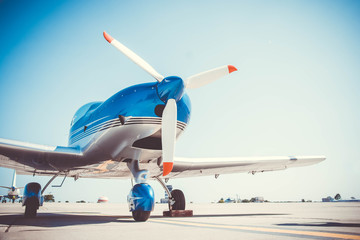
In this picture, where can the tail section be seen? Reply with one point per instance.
(14, 179)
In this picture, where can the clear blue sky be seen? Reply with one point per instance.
(296, 91)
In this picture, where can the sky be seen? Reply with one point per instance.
(296, 91)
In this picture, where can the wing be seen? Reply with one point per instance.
(5, 187)
(28, 158)
(191, 167)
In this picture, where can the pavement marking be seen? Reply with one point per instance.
(11, 224)
(262, 229)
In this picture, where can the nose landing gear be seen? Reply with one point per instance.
(141, 198)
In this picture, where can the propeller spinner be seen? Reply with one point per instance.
(170, 90)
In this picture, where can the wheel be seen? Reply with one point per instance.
(30, 210)
(179, 198)
(31, 207)
(141, 216)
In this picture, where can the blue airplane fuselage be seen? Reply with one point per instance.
(142, 102)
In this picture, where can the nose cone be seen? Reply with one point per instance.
(171, 88)
(13, 188)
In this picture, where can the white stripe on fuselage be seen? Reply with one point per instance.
(132, 120)
(82, 128)
(116, 142)
(93, 128)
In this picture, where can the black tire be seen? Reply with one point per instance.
(141, 216)
(179, 199)
(30, 211)
(31, 207)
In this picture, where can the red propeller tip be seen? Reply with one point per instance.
(108, 37)
(232, 68)
(167, 167)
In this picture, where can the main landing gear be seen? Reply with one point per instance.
(176, 197)
(33, 196)
(176, 202)
(32, 199)
(179, 200)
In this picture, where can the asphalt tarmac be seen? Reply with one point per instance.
(210, 221)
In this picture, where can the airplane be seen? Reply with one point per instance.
(132, 135)
(14, 192)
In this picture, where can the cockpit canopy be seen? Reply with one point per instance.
(82, 111)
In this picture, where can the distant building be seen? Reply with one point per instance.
(350, 200)
(102, 199)
(49, 198)
(166, 199)
(328, 199)
(259, 199)
(229, 200)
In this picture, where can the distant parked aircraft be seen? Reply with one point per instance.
(14, 192)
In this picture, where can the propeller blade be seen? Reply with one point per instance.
(134, 57)
(168, 135)
(207, 77)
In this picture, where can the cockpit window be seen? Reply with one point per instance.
(83, 110)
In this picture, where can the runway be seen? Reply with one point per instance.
(210, 221)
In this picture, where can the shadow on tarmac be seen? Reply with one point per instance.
(327, 224)
(61, 220)
(240, 215)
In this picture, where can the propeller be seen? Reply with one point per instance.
(168, 135)
(207, 77)
(134, 57)
(170, 90)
